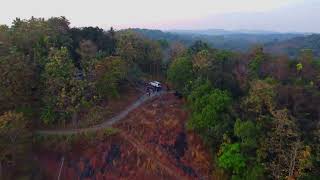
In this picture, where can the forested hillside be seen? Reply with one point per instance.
(292, 47)
(257, 113)
(51, 75)
(287, 44)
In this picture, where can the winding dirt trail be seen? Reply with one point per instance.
(106, 123)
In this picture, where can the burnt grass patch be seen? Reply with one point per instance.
(113, 154)
(88, 172)
(177, 150)
(117, 157)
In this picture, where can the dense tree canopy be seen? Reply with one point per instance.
(51, 74)
(258, 112)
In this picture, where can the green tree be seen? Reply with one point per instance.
(105, 42)
(211, 115)
(108, 74)
(248, 132)
(180, 74)
(17, 82)
(128, 46)
(258, 57)
(231, 158)
(63, 91)
(299, 67)
(34, 37)
(4, 40)
(221, 73)
(140, 51)
(198, 46)
(201, 61)
(261, 98)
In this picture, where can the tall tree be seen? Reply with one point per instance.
(63, 91)
(17, 83)
(180, 74)
(211, 115)
(108, 73)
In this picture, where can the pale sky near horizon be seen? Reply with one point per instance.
(276, 15)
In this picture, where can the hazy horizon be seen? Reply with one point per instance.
(263, 15)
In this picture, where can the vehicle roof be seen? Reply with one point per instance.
(155, 83)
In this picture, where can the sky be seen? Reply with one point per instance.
(272, 15)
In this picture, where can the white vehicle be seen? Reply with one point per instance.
(155, 84)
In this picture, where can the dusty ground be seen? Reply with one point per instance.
(152, 144)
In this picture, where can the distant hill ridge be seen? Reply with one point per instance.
(292, 47)
(241, 40)
(232, 32)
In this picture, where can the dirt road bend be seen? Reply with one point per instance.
(106, 123)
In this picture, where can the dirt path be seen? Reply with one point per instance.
(106, 123)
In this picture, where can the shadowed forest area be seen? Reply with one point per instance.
(236, 115)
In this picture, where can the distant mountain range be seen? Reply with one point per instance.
(242, 40)
(217, 32)
(293, 46)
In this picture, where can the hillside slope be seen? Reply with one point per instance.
(152, 143)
